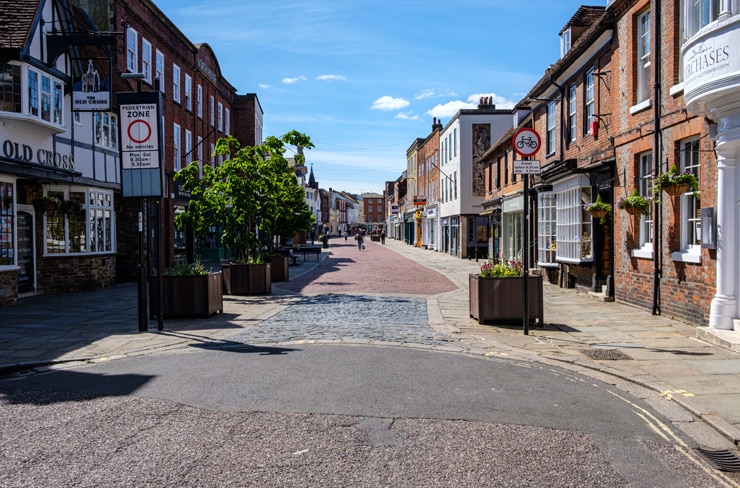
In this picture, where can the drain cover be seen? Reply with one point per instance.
(723, 460)
(605, 354)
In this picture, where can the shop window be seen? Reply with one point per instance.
(89, 231)
(7, 227)
(573, 227)
(546, 229)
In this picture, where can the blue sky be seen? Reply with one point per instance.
(364, 79)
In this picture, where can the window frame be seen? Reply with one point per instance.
(690, 204)
(572, 112)
(589, 100)
(159, 69)
(176, 83)
(176, 146)
(574, 225)
(546, 229)
(188, 93)
(132, 50)
(643, 62)
(146, 60)
(551, 132)
(98, 225)
(645, 173)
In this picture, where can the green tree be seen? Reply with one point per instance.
(252, 194)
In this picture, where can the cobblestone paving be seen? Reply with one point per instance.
(342, 317)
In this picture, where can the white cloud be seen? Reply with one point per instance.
(331, 78)
(424, 94)
(450, 108)
(290, 81)
(265, 86)
(387, 103)
(407, 116)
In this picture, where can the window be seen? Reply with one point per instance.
(589, 115)
(550, 141)
(106, 130)
(220, 116)
(565, 41)
(369, 208)
(132, 50)
(573, 222)
(199, 102)
(699, 14)
(188, 93)
(690, 203)
(200, 156)
(572, 108)
(45, 97)
(7, 225)
(89, 232)
(454, 142)
(212, 111)
(644, 187)
(10, 88)
(454, 177)
(176, 146)
(546, 229)
(188, 146)
(146, 60)
(160, 70)
(643, 57)
(176, 83)
(227, 121)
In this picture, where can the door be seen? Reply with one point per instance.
(26, 250)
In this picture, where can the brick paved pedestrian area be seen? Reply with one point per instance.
(377, 269)
(339, 317)
(374, 295)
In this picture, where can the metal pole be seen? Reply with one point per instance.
(143, 319)
(525, 255)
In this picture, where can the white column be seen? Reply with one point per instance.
(725, 305)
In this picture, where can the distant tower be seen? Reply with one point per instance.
(311, 180)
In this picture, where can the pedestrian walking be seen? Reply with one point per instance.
(360, 242)
(345, 236)
(382, 237)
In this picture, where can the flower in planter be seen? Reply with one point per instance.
(505, 269)
(194, 269)
(598, 209)
(674, 177)
(634, 204)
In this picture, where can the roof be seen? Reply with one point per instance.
(16, 22)
(585, 16)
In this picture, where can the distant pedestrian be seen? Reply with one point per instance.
(382, 237)
(360, 242)
(345, 235)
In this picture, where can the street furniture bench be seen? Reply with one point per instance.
(309, 250)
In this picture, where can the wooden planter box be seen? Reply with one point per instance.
(187, 296)
(279, 270)
(501, 299)
(247, 279)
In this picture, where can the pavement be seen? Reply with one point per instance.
(696, 368)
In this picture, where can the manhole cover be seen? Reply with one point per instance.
(605, 354)
(722, 460)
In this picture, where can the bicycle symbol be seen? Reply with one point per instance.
(526, 141)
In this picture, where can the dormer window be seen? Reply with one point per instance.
(565, 41)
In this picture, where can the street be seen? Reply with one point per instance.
(350, 383)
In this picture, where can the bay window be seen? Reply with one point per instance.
(45, 97)
(573, 222)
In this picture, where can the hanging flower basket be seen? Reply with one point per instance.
(635, 204)
(675, 183)
(675, 189)
(597, 213)
(46, 204)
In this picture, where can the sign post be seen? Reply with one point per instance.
(526, 143)
(142, 174)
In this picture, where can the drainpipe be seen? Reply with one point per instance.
(657, 272)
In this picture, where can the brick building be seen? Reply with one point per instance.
(69, 152)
